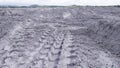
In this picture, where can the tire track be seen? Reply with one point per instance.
(50, 47)
(49, 55)
(64, 60)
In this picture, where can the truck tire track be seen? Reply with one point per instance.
(44, 46)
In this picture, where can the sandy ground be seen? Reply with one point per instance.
(60, 37)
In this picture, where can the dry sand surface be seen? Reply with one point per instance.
(60, 37)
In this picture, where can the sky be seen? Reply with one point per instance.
(60, 2)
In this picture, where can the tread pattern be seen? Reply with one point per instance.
(44, 46)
